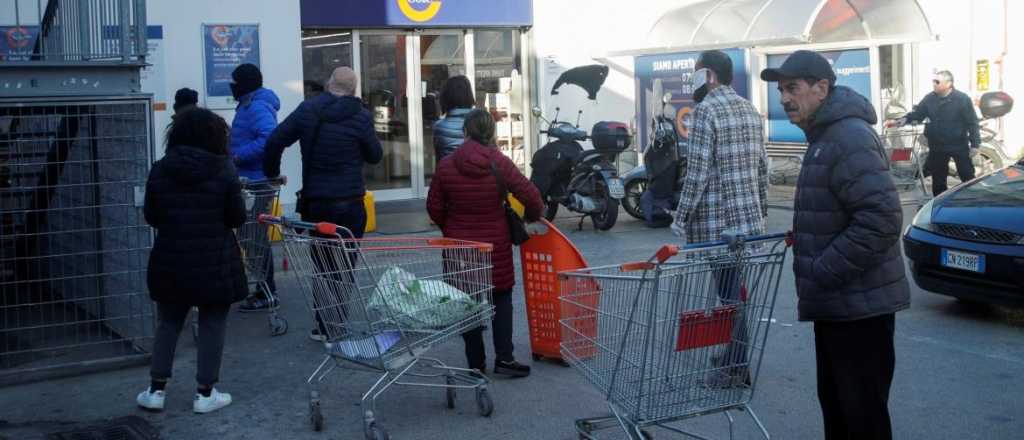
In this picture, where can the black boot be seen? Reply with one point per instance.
(511, 368)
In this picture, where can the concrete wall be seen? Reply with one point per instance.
(281, 57)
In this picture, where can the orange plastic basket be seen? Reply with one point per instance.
(543, 257)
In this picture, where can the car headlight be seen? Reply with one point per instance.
(923, 218)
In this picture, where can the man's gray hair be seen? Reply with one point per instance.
(945, 75)
(343, 82)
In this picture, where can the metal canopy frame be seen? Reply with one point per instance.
(710, 24)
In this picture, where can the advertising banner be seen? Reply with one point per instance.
(437, 13)
(226, 46)
(17, 42)
(675, 71)
(853, 69)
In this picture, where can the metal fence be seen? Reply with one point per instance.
(71, 31)
(73, 240)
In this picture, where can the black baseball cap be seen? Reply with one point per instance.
(801, 64)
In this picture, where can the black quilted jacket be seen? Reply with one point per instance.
(194, 200)
(847, 218)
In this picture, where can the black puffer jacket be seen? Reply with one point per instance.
(847, 218)
(333, 168)
(194, 200)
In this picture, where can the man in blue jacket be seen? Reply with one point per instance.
(847, 217)
(255, 119)
(337, 139)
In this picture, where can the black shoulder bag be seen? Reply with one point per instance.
(302, 203)
(516, 227)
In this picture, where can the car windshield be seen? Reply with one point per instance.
(1000, 189)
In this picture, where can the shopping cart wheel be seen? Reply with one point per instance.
(374, 432)
(450, 392)
(484, 402)
(278, 326)
(315, 416)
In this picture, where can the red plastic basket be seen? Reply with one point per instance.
(543, 257)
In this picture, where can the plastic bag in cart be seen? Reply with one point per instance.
(420, 304)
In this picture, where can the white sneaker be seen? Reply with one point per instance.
(217, 400)
(153, 401)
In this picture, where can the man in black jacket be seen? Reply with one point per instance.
(952, 130)
(337, 139)
(847, 218)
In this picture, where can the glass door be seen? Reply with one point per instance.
(385, 91)
(442, 56)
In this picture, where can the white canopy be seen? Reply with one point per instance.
(750, 23)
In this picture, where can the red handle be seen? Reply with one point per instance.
(325, 228)
(667, 251)
(268, 219)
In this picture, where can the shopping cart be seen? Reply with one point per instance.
(254, 241)
(678, 336)
(904, 151)
(385, 302)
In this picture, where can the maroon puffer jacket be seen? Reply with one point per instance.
(463, 200)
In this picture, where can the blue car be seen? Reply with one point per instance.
(968, 243)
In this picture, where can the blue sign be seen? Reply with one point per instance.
(676, 71)
(17, 42)
(418, 13)
(226, 46)
(853, 69)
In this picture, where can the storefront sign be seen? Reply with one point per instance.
(425, 13)
(675, 71)
(226, 46)
(983, 75)
(17, 42)
(853, 69)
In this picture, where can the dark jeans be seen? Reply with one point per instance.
(938, 165)
(328, 258)
(263, 204)
(212, 326)
(476, 355)
(856, 360)
(729, 285)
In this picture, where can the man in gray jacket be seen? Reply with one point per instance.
(850, 276)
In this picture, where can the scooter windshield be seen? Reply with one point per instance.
(589, 78)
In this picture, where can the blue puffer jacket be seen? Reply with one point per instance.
(448, 134)
(333, 168)
(255, 119)
(847, 218)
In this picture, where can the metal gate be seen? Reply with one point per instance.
(73, 240)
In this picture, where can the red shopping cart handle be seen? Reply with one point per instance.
(268, 219)
(664, 253)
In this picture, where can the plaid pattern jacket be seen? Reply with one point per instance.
(726, 183)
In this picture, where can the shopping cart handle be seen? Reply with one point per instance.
(739, 239)
(667, 251)
(268, 219)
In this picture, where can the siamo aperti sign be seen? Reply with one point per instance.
(417, 13)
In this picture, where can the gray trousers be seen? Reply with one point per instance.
(212, 328)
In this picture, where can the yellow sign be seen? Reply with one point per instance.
(983, 75)
(419, 15)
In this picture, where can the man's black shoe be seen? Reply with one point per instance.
(253, 304)
(511, 368)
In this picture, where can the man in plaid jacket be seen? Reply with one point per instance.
(725, 188)
(726, 184)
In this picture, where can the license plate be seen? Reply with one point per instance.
(615, 189)
(963, 261)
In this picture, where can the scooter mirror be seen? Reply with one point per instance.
(536, 112)
(667, 98)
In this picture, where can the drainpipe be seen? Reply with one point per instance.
(1002, 58)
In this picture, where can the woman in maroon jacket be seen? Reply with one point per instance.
(464, 201)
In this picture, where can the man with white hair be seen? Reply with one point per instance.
(336, 138)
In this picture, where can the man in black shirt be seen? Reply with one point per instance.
(952, 130)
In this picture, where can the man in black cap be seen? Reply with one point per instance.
(850, 277)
